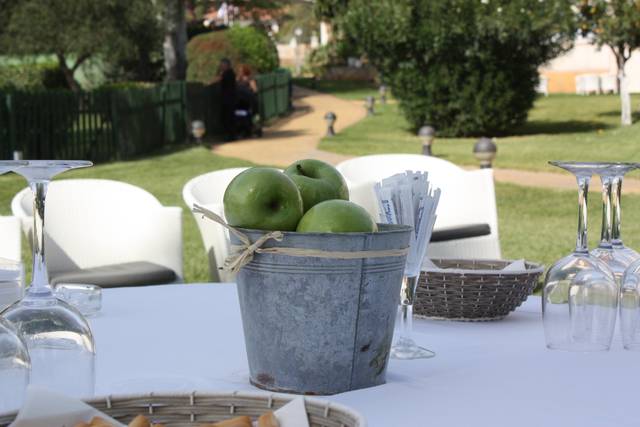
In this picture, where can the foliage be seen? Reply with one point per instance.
(330, 9)
(80, 30)
(140, 59)
(614, 23)
(466, 67)
(242, 45)
(32, 76)
(299, 15)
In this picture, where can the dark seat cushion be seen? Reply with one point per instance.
(461, 232)
(140, 273)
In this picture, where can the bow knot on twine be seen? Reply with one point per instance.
(242, 254)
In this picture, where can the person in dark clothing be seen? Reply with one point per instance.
(228, 98)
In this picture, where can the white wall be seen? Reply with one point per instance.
(587, 58)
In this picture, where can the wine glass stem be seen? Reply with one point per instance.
(40, 281)
(617, 211)
(407, 297)
(605, 234)
(583, 192)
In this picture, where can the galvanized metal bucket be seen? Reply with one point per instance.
(321, 325)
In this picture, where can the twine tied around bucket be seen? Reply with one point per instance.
(243, 254)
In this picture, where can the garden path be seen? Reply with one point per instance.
(298, 136)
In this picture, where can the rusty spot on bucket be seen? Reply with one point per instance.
(265, 379)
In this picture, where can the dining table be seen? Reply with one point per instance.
(189, 337)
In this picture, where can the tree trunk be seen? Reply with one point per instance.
(623, 90)
(68, 73)
(175, 40)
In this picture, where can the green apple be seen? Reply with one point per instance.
(263, 199)
(337, 216)
(317, 181)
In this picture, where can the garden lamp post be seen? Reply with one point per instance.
(298, 55)
(383, 94)
(427, 135)
(485, 151)
(198, 130)
(369, 103)
(330, 118)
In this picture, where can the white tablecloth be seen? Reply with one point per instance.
(184, 337)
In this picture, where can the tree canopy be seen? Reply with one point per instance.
(465, 67)
(616, 24)
(77, 31)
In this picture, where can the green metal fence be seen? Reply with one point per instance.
(112, 124)
(101, 125)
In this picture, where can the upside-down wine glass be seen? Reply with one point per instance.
(605, 251)
(58, 337)
(622, 252)
(580, 296)
(15, 364)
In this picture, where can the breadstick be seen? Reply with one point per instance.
(140, 421)
(268, 420)
(243, 421)
(99, 422)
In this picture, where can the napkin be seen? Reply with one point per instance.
(45, 408)
(517, 265)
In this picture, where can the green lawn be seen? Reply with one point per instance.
(345, 89)
(536, 224)
(560, 127)
(164, 176)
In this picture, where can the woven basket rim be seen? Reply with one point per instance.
(532, 267)
(319, 403)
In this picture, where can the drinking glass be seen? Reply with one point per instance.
(622, 252)
(15, 364)
(15, 367)
(58, 337)
(404, 347)
(630, 307)
(577, 307)
(605, 251)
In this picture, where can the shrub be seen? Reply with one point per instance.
(242, 45)
(32, 76)
(465, 67)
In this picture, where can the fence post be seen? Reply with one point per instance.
(114, 126)
(183, 112)
(163, 91)
(12, 122)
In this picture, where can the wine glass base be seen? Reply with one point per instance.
(579, 347)
(409, 351)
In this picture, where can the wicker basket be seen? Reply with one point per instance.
(190, 410)
(477, 291)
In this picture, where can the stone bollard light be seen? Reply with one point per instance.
(485, 152)
(427, 135)
(330, 118)
(383, 94)
(369, 103)
(198, 130)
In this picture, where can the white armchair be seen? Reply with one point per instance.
(93, 223)
(10, 243)
(208, 190)
(468, 197)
